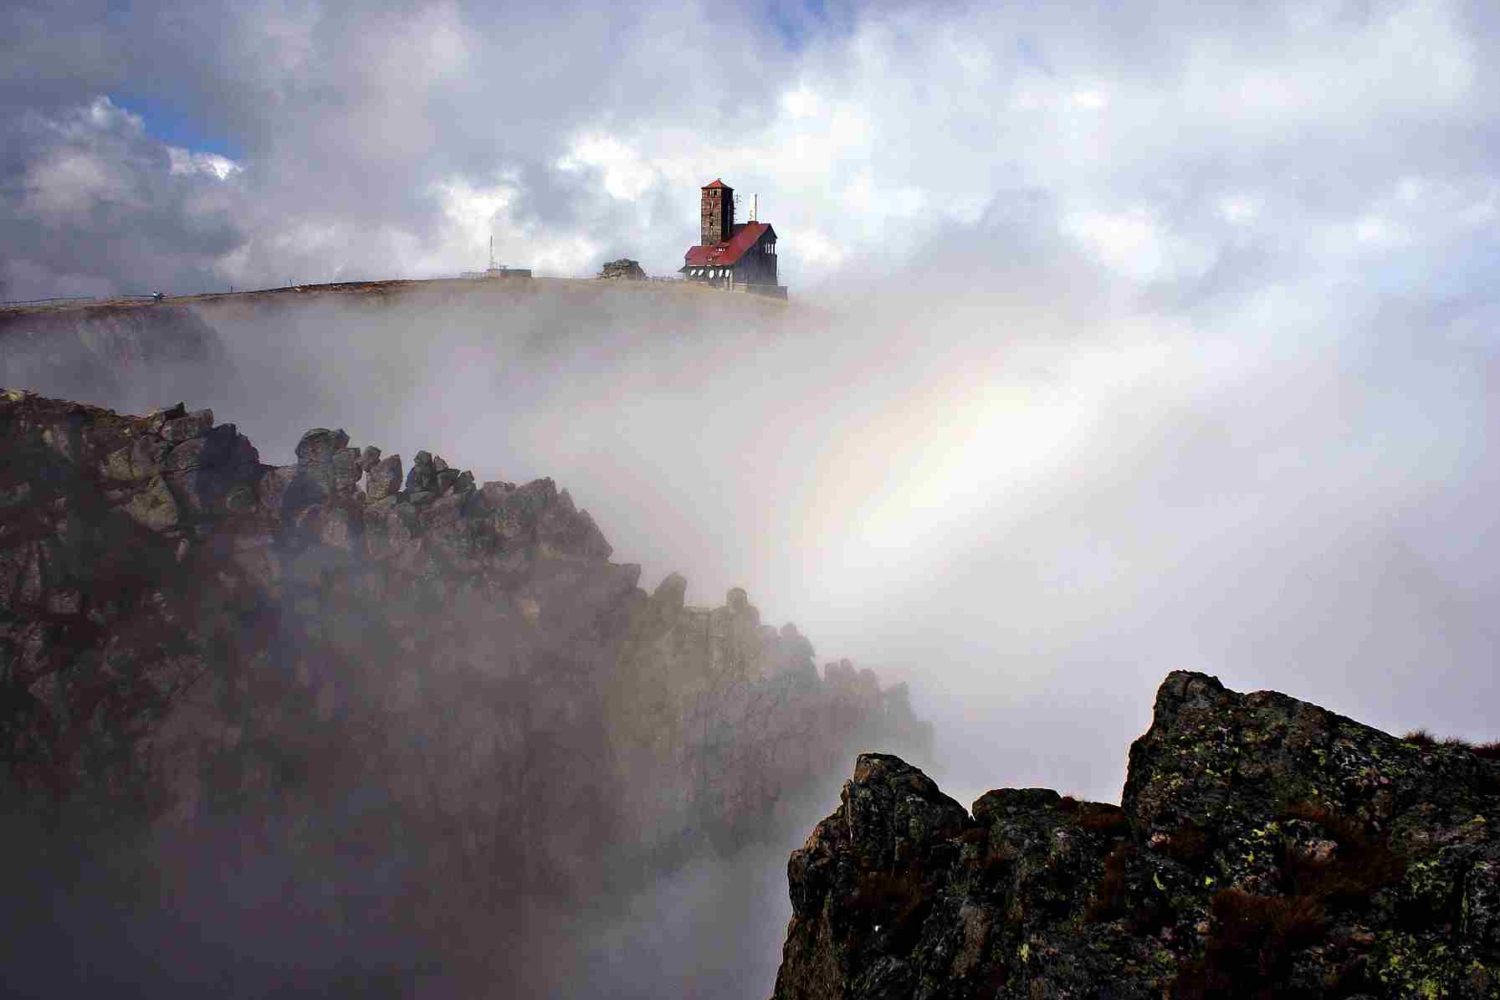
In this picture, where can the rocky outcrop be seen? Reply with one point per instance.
(350, 651)
(690, 678)
(110, 351)
(623, 269)
(1264, 847)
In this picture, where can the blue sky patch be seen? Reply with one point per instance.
(176, 127)
(795, 21)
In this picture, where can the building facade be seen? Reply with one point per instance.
(735, 255)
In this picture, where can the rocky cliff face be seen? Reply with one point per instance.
(379, 675)
(1265, 848)
(128, 351)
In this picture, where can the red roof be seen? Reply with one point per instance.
(726, 254)
(715, 183)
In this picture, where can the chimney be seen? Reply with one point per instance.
(717, 213)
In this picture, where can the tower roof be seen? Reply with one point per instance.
(716, 183)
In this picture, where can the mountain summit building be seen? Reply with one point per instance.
(740, 256)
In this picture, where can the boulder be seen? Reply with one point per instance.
(1265, 847)
(383, 479)
(423, 475)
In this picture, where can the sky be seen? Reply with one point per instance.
(1134, 336)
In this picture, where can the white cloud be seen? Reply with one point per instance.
(1379, 233)
(1137, 244)
(71, 182)
(474, 214)
(627, 176)
(1238, 209)
(1089, 100)
(187, 161)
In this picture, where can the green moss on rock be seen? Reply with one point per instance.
(1265, 847)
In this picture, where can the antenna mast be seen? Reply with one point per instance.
(754, 207)
(492, 251)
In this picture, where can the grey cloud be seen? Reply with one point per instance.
(98, 209)
(348, 119)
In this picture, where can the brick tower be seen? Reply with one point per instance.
(718, 213)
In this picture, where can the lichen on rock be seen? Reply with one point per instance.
(1265, 847)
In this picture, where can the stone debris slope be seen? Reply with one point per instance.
(1265, 847)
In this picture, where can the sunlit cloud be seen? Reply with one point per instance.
(186, 161)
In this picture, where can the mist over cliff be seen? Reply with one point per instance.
(979, 449)
(325, 727)
(1022, 494)
(1024, 491)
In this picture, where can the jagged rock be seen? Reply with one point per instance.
(671, 594)
(794, 645)
(346, 471)
(157, 419)
(189, 636)
(193, 425)
(273, 486)
(1265, 847)
(737, 600)
(326, 467)
(423, 475)
(383, 479)
(140, 459)
(153, 507)
(319, 445)
(689, 675)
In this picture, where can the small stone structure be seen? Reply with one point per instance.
(623, 269)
